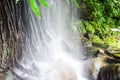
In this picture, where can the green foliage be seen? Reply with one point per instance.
(103, 16)
(35, 7)
(44, 3)
(113, 42)
(88, 26)
(97, 39)
(36, 10)
(117, 54)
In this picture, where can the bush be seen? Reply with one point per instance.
(104, 16)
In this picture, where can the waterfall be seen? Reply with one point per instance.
(52, 49)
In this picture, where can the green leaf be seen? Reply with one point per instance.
(44, 3)
(34, 6)
(76, 3)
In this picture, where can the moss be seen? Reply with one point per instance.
(6, 48)
(118, 54)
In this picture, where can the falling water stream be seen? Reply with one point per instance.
(52, 48)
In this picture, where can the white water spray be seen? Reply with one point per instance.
(52, 48)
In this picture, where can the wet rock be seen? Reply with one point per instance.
(92, 67)
(110, 72)
(112, 56)
(91, 51)
(100, 45)
(11, 33)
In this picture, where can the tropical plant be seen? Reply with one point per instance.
(35, 7)
(104, 19)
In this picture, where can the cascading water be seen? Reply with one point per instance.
(52, 48)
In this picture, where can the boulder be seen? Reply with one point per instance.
(110, 72)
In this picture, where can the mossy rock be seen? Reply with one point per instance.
(100, 45)
(113, 54)
(92, 51)
(9, 52)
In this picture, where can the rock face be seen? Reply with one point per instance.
(110, 72)
(109, 60)
(11, 32)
